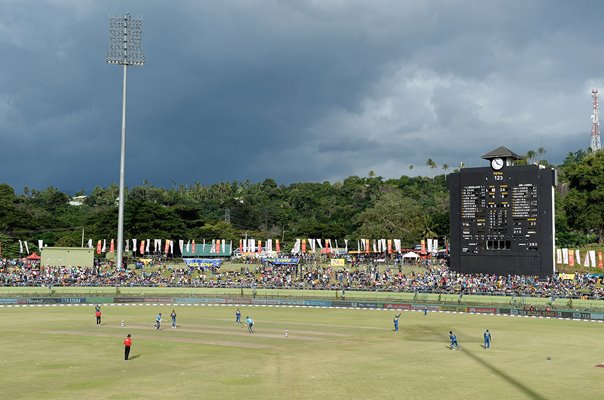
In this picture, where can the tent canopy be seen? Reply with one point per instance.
(33, 256)
(410, 255)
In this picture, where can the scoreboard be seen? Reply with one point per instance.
(502, 221)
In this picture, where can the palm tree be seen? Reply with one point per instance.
(445, 168)
(541, 152)
(530, 155)
(430, 163)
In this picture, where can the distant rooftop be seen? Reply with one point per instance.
(77, 200)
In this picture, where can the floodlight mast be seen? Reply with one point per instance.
(125, 48)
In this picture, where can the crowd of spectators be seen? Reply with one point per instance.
(311, 275)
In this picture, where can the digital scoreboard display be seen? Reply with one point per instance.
(502, 221)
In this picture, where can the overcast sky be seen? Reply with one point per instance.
(291, 90)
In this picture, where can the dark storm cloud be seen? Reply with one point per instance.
(291, 90)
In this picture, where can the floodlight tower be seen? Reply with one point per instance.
(595, 124)
(125, 48)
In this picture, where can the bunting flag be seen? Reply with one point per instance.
(134, 245)
(592, 257)
(346, 245)
(167, 247)
(423, 243)
(224, 246)
(26, 247)
(571, 258)
(374, 246)
(565, 256)
(384, 245)
(193, 246)
(366, 246)
(359, 245)
(127, 249)
(336, 248)
(213, 247)
(147, 244)
(188, 248)
(586, 262)
(379, 246)
(112, 246)
(389, 246)
(142, 249)
(578, 257)
(397, 245)
(241, 245)
(245, 245)
(319, 243)
(278, 246)
(90, 243)
(172, 247)
(20, 247)
(181, 245)
(303, 245)
(98, 247)
(558, 256)
(104, 249)
(435, 245)
(40, 244)
(259, 246)
(600, 260)
(429, 245)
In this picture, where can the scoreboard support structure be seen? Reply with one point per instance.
(502, 217)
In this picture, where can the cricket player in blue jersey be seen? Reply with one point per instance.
(453, 340)
(173, 316)
(396, 317)
(250, 324)
(238, 317)
(158, 321)
(487, 339)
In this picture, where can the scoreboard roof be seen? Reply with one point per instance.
(502, 152)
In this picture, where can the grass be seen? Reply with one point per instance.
(59, 353)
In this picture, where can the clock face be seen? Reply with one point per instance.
(497, 163)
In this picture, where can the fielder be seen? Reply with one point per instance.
(453, 339)
(250, 324)
(396, 317)
(487, 339)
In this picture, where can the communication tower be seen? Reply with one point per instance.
(595, 123)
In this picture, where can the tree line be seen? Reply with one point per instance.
(408, 208)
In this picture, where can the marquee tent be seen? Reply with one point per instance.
(33, 256)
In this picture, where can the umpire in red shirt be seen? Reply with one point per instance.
(127, 344)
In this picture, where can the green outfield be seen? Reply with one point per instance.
(60, 353)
